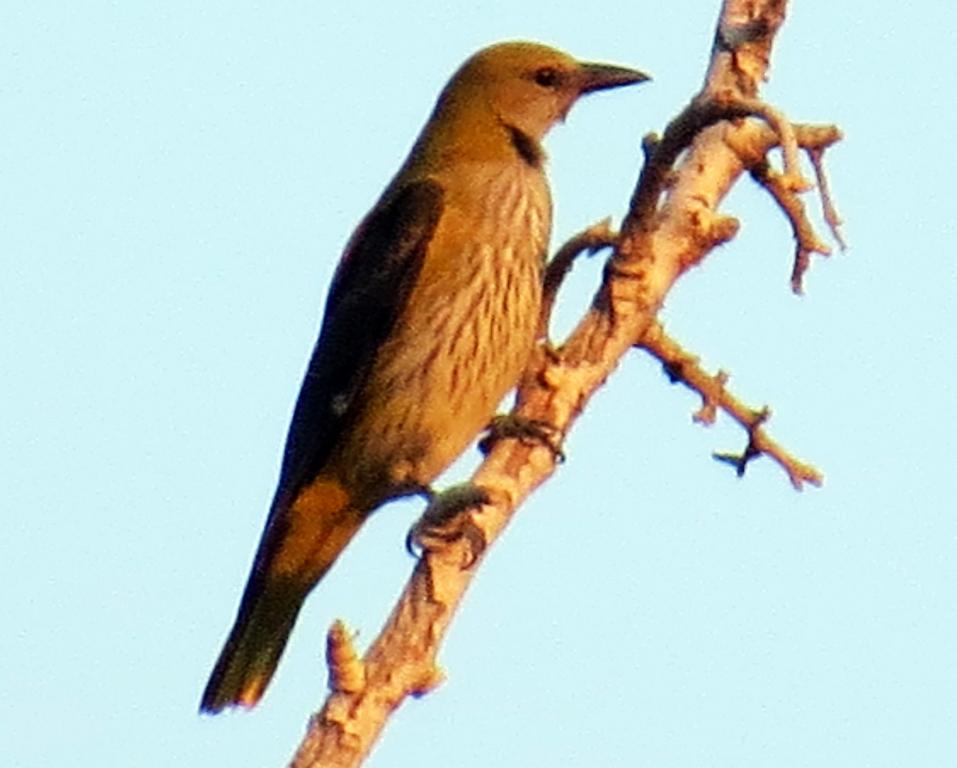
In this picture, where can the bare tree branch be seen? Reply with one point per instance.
(683, 367)
(672, 223)
(590, 241)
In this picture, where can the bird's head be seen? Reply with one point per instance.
(530, 87)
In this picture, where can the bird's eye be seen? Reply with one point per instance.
(547, 77)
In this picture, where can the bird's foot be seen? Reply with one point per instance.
(447, 520)
(528, 431)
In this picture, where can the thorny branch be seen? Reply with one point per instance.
(672, 223)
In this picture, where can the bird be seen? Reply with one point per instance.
(430, 317)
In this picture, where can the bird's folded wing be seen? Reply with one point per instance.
(371, 286)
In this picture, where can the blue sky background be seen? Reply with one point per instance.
(176, 183)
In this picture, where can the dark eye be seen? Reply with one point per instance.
(547, 77)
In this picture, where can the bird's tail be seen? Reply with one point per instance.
(299, 545)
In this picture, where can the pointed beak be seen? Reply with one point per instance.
(598, 77)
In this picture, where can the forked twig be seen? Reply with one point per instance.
(684, 367)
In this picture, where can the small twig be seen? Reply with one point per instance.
(814, 140)
(831, 216)
(806, 240)
(684, 368)
(347, 673)
(751, 451)
(590, 240)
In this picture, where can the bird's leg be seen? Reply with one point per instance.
(446, 520)
(528, 431)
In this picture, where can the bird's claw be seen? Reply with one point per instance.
(446, 521)
(528, 431)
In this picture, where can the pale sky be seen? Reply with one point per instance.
(177, 181)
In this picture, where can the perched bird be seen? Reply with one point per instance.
(430, 318)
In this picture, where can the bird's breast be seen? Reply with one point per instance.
(463, 338)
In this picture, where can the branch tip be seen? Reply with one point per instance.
(346, 671)
(806, 240)
(829, 211)
(723, 229)
(430, 679)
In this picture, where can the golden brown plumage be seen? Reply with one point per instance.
(429, 321)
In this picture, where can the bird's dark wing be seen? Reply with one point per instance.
(371, 286)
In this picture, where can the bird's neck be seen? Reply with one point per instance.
(461, 130)
(527, 148)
